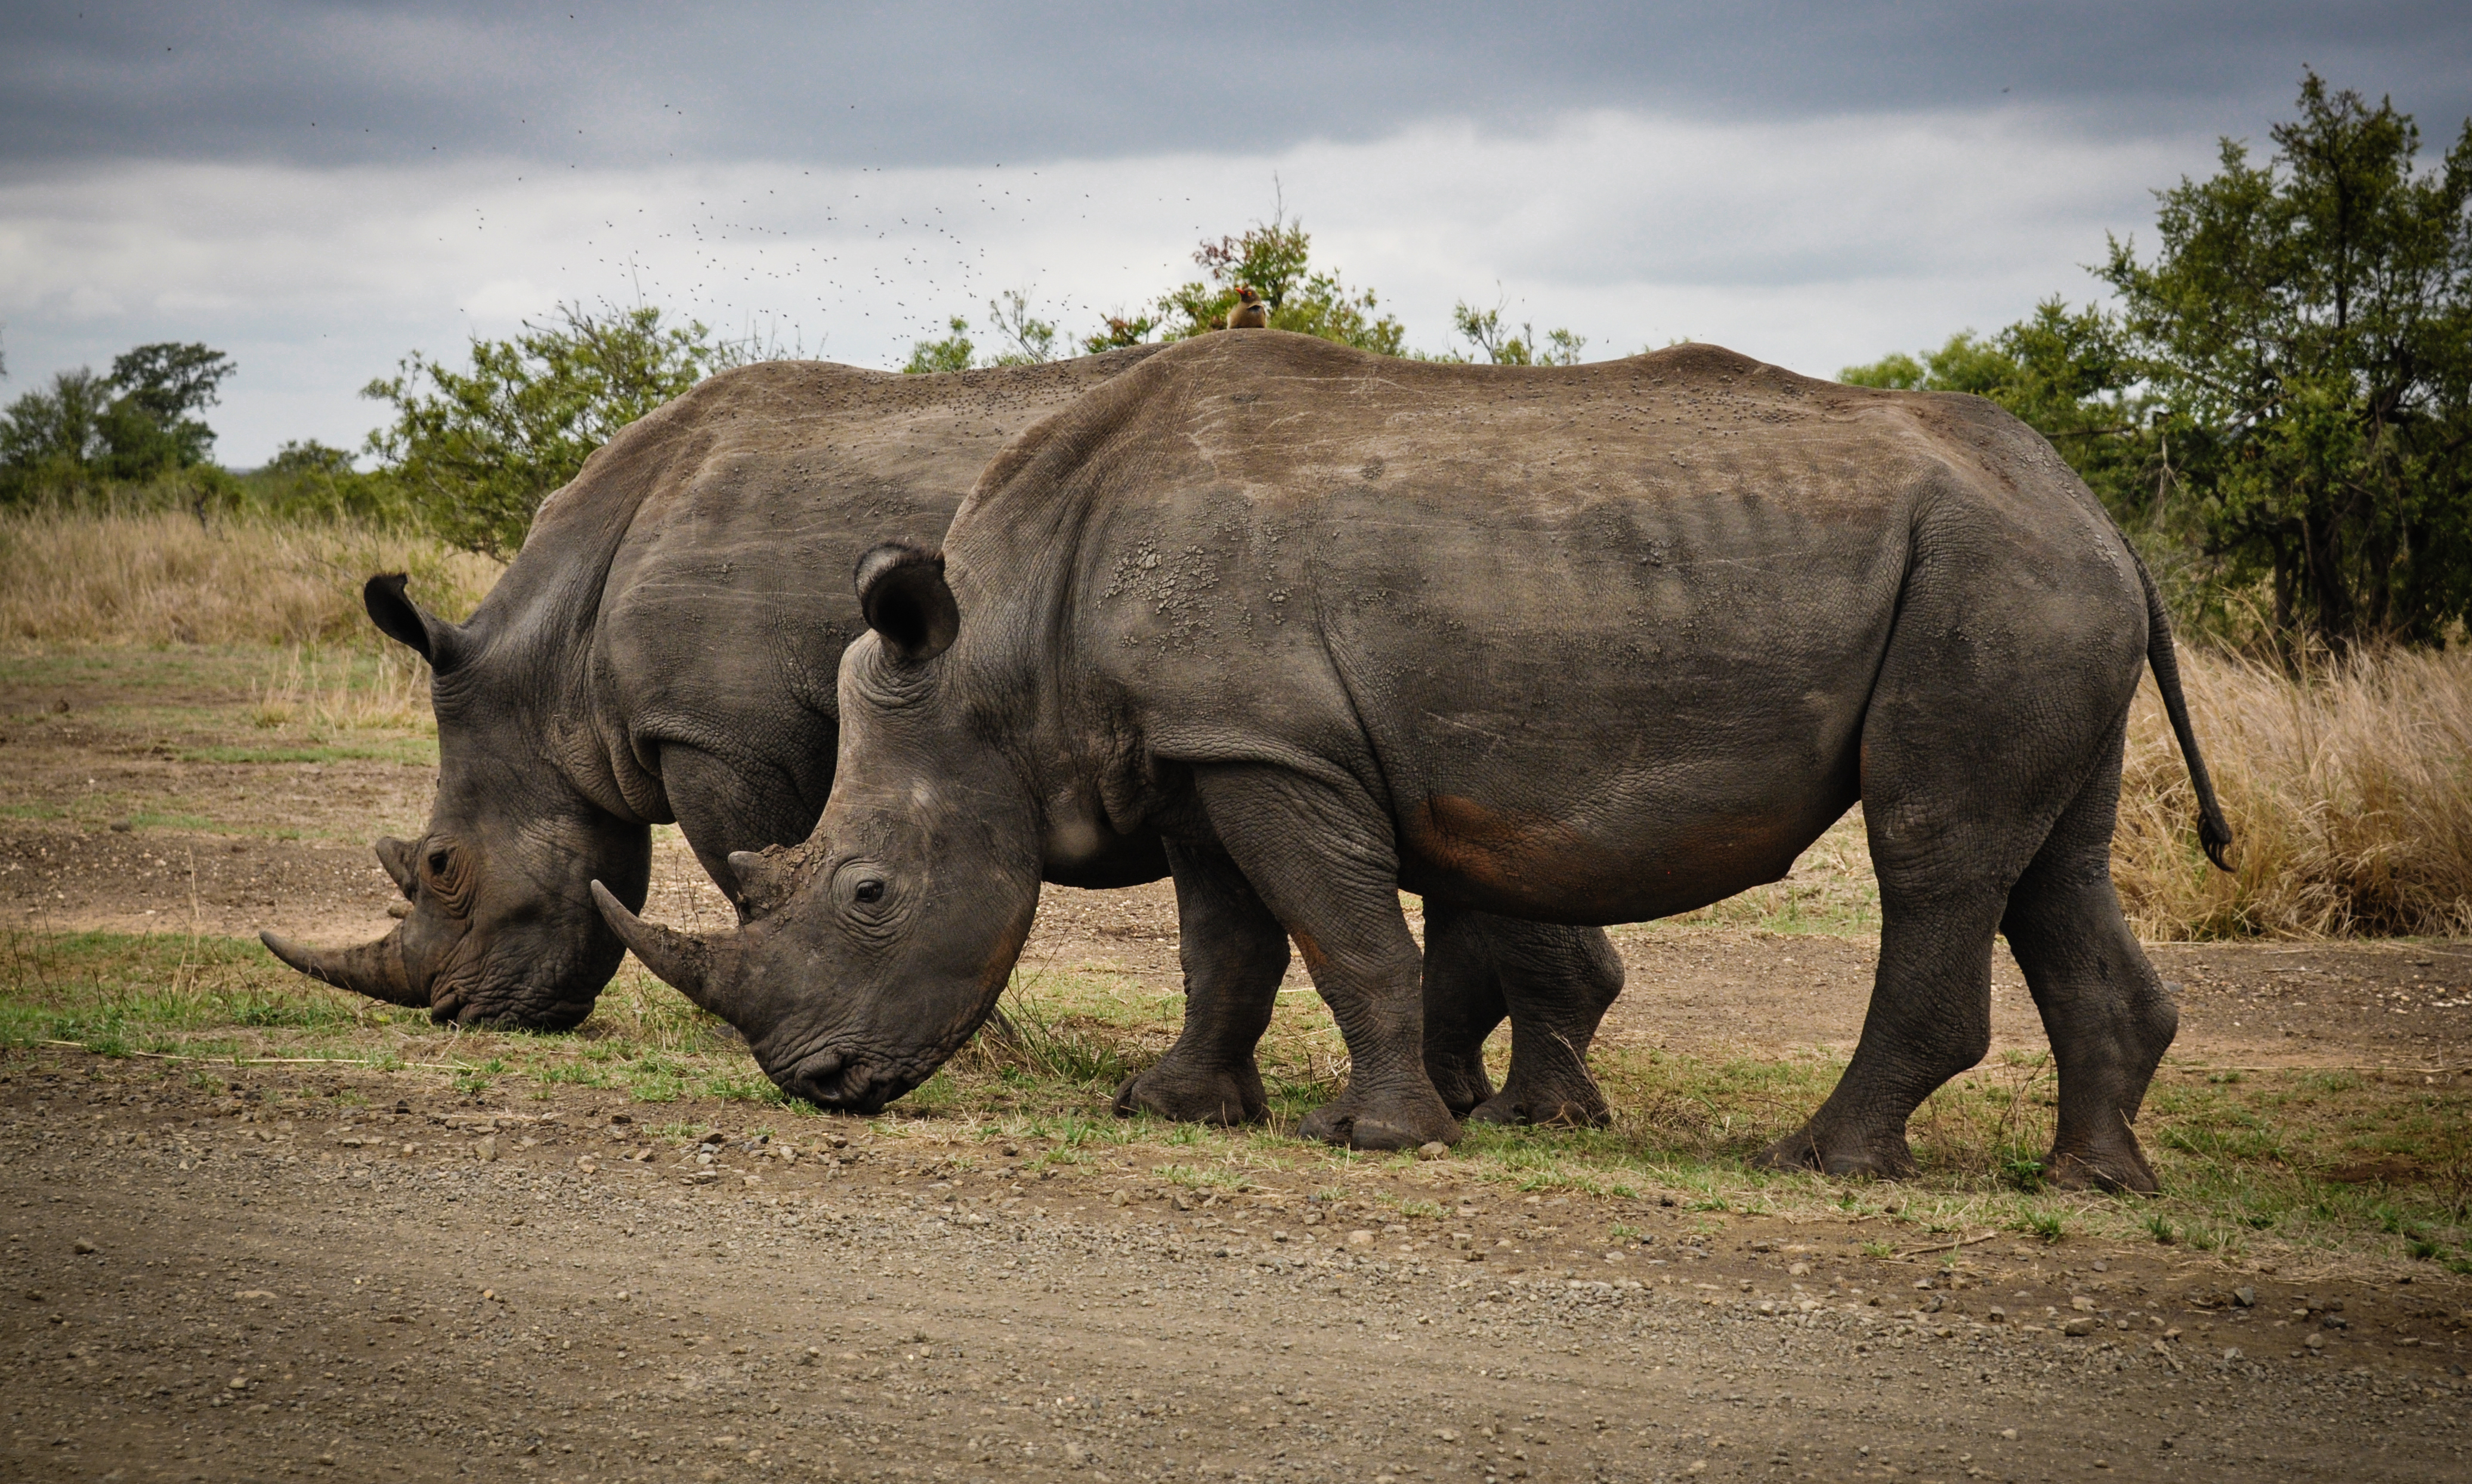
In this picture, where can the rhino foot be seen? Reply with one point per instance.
(1841, 1156)
(2117, 1170)
(1568, 1109)
(1460, 1079)
(1225, 1096)
(1375, 1121)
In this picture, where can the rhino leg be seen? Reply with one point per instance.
(1463, 1002)
(1965, 768)
(2109, 1016)
(1326, 868)
(1234, 954)
(1559, 983)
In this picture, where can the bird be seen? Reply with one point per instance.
(1249, 312)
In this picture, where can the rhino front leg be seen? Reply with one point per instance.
(1234, 954)
(1325, 868)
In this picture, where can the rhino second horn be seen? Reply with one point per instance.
(678, 959)
(759, 879)
(372, 969)
(395, 857)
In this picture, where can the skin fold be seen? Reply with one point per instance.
(1576, 645)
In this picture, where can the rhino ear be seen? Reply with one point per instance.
(901, 590)
(400, 619)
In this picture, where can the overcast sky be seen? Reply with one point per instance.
(319, 189)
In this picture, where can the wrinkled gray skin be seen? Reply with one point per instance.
(664, 649)
(1593, 645)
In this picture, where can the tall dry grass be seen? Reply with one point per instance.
(2348, 788)
(74, 577)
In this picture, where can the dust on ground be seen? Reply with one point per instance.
(366, 1276)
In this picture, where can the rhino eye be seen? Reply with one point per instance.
(438, 862)
(869, 891)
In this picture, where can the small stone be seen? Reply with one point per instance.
(1434, 1150)
(2082, 1303)
(487, 1148)
(123, 826)
(238, 1383)
(2009, 1434)
(2079, 1326)
(2245, 1297)
(1360, 1238)
(2314, 1341)
(1997, 1315)
(1446, 1435)
(2232, 1354)
(82, 1247)
(1798, 1270)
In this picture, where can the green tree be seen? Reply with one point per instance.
(2306, 327)
(151, 426)
(950, 354)
(1275, 259)
(136, 423)
(1032, 340)
(2071, 377)
(52, 439)
(475, 452)
(1486, 332)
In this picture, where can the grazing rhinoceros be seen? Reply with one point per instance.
(665, 648)
(1594, 646)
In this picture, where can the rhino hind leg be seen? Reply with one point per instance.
(2109, 1015)
(1558, 982)
(1463, 1002)
(1234, 954)
(1323, 865)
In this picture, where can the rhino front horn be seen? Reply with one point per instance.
(372, 969)
(678, 959)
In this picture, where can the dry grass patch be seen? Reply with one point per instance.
(2350, 792)
(163, 578)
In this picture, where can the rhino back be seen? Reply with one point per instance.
(1630, 610)
(728, 601)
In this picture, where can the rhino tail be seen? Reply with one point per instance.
(2214, 834)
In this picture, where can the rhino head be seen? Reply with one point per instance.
(501, 928)
(876, 947)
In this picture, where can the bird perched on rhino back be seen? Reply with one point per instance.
(1249, 312)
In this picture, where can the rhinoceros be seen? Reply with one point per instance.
(664, 648)
(1587, 645)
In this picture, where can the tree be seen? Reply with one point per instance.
(52, 439)
(476, 452)
(1032, 340)
(2071, 377)
(950, 354)
(1275, 259)
(1486, 332)
(133, 424)
(2306, 327)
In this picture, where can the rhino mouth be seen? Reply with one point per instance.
(470, 996)
(838, 1080)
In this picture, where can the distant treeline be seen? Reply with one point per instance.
(2277, 406)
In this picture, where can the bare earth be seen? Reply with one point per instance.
(200, 1286)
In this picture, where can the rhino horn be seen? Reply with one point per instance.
(396, 856)
(678, 959)
(759, 879)
(372, 969)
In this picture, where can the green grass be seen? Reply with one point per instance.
(2249, 1168)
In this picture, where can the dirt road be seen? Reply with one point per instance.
(282, 1282)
